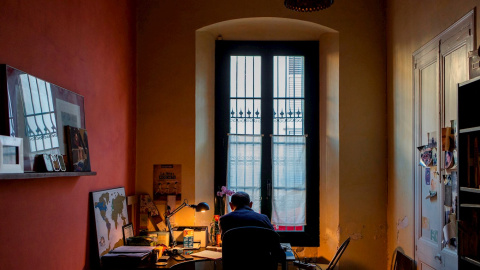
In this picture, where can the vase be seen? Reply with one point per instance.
(220, 205)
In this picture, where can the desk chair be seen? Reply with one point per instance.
(252, 248)
(403, 262)
(336, 258)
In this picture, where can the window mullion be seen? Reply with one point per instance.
(267, 130)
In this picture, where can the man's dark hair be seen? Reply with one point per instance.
(240, 199)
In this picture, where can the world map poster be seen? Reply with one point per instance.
(110, 208)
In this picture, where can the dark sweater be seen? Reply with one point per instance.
(242, 217)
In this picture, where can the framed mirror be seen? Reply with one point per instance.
(37, 111)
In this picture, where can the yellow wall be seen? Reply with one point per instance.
(168, 125)
(410, 24)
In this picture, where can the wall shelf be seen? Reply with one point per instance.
(470, 260)
(466, 189)
(33, 175)
(470, 205)
(468, 130)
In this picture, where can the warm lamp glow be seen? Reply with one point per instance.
(201, 207)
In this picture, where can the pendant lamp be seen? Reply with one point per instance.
(308, 5)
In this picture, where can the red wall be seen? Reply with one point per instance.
(87, 47)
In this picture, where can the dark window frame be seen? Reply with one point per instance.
(267, 49)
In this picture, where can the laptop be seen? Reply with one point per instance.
(288, 251)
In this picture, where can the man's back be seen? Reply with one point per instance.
(243, 217)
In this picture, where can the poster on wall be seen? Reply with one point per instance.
(167, 181)
(110, 209)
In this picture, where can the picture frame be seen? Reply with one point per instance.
(167, 180)
(110, 215)
(47, 162)
(55, 162)
(11, 154)
(78, 150)
(127, 232)
(37, 111)
(63, 166)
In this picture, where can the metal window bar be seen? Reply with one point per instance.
(244, 106)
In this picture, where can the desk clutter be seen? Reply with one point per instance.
(152, 248)
(191, 234)
(118, 246)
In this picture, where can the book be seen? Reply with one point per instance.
(77, 150)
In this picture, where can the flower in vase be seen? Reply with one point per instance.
(225, 191)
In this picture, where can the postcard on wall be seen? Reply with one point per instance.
(425, 156)
(427, 176)
(167, 180)
(432, 139)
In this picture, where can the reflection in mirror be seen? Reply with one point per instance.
(40, 124)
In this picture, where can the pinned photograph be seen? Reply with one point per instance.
(425, 156)
(448, 160)
(432, 139)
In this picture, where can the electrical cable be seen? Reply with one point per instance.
(295, 254)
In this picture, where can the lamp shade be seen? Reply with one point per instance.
(201, 207)
(308, 5)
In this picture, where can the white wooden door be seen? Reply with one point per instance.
(438, 67)
(454, 69)
(427, 179)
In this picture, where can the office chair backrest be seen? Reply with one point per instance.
(338, 254)
(403, 262)
(251, 248)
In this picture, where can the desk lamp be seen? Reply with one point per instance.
(201, 207)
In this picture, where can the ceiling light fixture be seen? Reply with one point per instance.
(308, 5)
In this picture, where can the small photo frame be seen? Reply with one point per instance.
(55, 162)
(63, 167)
(11, 154)
(127, 232)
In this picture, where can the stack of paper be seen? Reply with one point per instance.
(127, 255)
(213, 255)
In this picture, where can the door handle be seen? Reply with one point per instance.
(438, 257)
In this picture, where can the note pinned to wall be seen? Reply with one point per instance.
(425, 223)
(449, 230)
(427, 176)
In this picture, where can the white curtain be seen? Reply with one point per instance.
(289, 180)
(244, 164)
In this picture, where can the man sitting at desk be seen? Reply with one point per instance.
(242, 214)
